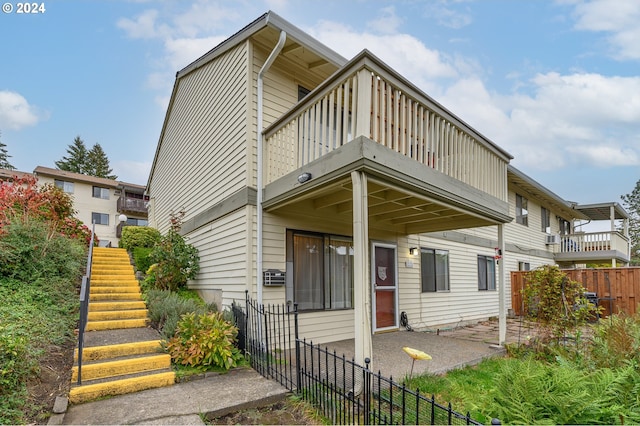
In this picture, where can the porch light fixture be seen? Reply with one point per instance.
(413, 251)
(304, 177)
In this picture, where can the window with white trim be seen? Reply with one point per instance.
(99, 192)
(546, 220)
(100, 218)
(64, 185)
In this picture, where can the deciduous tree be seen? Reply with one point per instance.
(631, 203)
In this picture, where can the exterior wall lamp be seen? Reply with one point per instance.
(414, 251)
(304, 177)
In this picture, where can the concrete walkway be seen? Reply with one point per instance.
(220, 394)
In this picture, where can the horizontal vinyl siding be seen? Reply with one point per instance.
(223, 256)
(202, 156)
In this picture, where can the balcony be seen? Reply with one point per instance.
(132, 205)
(368, 99)
(593, 247)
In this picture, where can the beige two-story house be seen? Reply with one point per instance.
(341, 188)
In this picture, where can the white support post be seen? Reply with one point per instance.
(502, 315)
(361, 291)
(363, 115)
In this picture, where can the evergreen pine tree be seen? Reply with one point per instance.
(4, 158)
(98, 163)
(76, 162)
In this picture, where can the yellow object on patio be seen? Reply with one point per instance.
(415, 354)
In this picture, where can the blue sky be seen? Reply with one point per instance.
(555, 83)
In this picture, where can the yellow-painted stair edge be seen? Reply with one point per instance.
(119, 387)
(116, 315)
(103, 370)
(114, 325)
(95, 353)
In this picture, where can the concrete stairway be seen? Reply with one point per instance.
(121, 354)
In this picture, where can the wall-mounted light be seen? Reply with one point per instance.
(413, 251)
(304, 177)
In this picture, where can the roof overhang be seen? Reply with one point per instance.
(543, 195)
(602, 211)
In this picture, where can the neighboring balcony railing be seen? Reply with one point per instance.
(369, 99)
(591, 242)
(126, 204)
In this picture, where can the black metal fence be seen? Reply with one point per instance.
(85, 289)
(343, 391)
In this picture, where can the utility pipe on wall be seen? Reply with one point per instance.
(260, 143)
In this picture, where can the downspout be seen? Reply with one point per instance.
(260, 142)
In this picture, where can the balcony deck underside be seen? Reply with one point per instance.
(403, 195)
(595, 256)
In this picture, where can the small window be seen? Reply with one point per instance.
(486, 273)
(132, 221)
(100, 218)
(565, 226)
(434, 267)
(524, 266)
(546, 220)
(64, 185)
(522, 212)
(99, 192)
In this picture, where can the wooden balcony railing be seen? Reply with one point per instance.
(590, 242)
(369, 99)
(126, 204)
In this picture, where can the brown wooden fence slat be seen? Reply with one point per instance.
(616, 288)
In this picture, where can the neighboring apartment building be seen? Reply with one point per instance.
(100, 201)
(341, 187)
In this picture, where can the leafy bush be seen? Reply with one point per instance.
(205, 340)
(39, 273)
(139, 236)
(556, 303)
(166, 308)
(142, 258)
(175, 260)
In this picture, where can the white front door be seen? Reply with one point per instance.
(384, 282)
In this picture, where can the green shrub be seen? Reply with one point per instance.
(175, 261)
(205, 340)
(616, 341)
(166, 308)
(39, 273)
(141, 258)
(138, 236)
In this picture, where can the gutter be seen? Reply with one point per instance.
(260, 139)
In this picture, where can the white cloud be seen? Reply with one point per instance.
(569, 119)
(387, 23)
(182, 51)
(403, 52)
(15, 111)
(143, 26)
(446, 16)
(618, 18)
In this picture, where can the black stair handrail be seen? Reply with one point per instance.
(84, 303)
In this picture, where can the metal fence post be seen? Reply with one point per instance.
(366, 391)
(298, 371)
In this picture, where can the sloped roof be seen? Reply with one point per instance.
(78, 177)
(547, 197)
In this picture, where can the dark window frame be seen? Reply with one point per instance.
(432, 276)
(486, 273)
(101, 192)
(97, 218)
(522, 210)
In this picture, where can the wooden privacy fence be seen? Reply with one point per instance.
(617, 289)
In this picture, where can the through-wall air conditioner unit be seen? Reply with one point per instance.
(552, 239)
